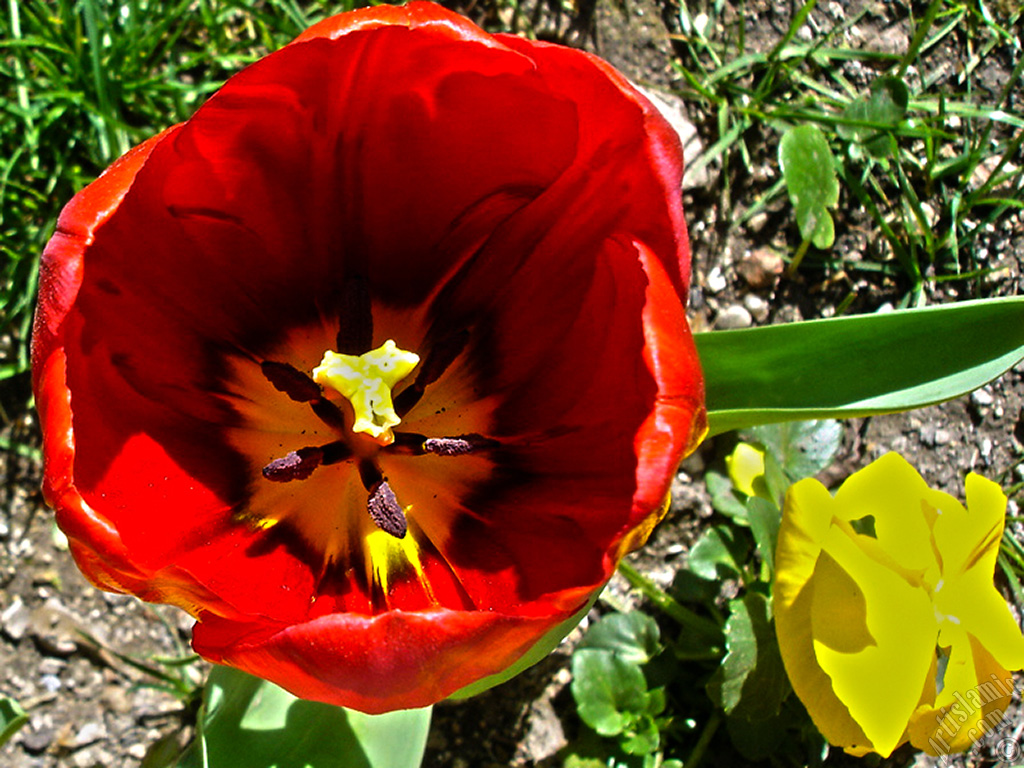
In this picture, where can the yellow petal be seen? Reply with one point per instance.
(746, 467)
(976, 693)
(805, 523)
(879, 661)
(969, 541)
(890, 490)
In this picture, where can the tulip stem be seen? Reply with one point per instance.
(705, 739)
(667, 603)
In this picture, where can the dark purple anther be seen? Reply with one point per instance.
(385, 511)
(297, 465)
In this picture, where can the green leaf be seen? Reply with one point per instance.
(724, 498)
(809, 171)
(247, 722)
(764, 524)
(610, 693)
(776, 483)
(877, 113)
(634, 636)
(802, 448)
(12, 717)
(751, 681)
(858, 366)
(576, 761)
(757, 740)
(643, 738)
(718, 553)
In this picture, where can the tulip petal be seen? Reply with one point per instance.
(402, 660)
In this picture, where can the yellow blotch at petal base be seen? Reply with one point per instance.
(366, 381)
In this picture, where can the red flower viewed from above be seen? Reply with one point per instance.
(379, 363)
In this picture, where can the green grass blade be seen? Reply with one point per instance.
(12, 717)
(858, 366)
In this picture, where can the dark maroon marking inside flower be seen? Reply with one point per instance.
(335, 452)
(302, 389)
(355, 331)
(329, 413)
(385, 511)
(297, 465)
(290, 380)
(437, 362)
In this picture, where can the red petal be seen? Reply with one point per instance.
(397, 660)
(417, 15)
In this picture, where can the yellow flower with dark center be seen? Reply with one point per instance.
(887, 617)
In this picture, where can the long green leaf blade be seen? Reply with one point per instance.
(858, 366)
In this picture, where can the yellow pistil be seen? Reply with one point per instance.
(366, 381)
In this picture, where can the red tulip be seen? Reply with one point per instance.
(506, 215)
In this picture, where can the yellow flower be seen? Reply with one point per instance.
(746, 468)
(890, 626)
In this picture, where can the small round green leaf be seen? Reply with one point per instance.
(718, 553)
(610, 693)
(635, 636)
(809, 171)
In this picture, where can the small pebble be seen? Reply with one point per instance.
(15, 619)
(756, 306)
(138, 751)
(732, 317)
(760, 268)
(986, 449)
(35, 742)
(52, 666)
(50, 683)
(89, 733)
(982, 398)
(716, 281)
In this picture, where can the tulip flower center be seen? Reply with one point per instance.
(365, 437)
(366, 382)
